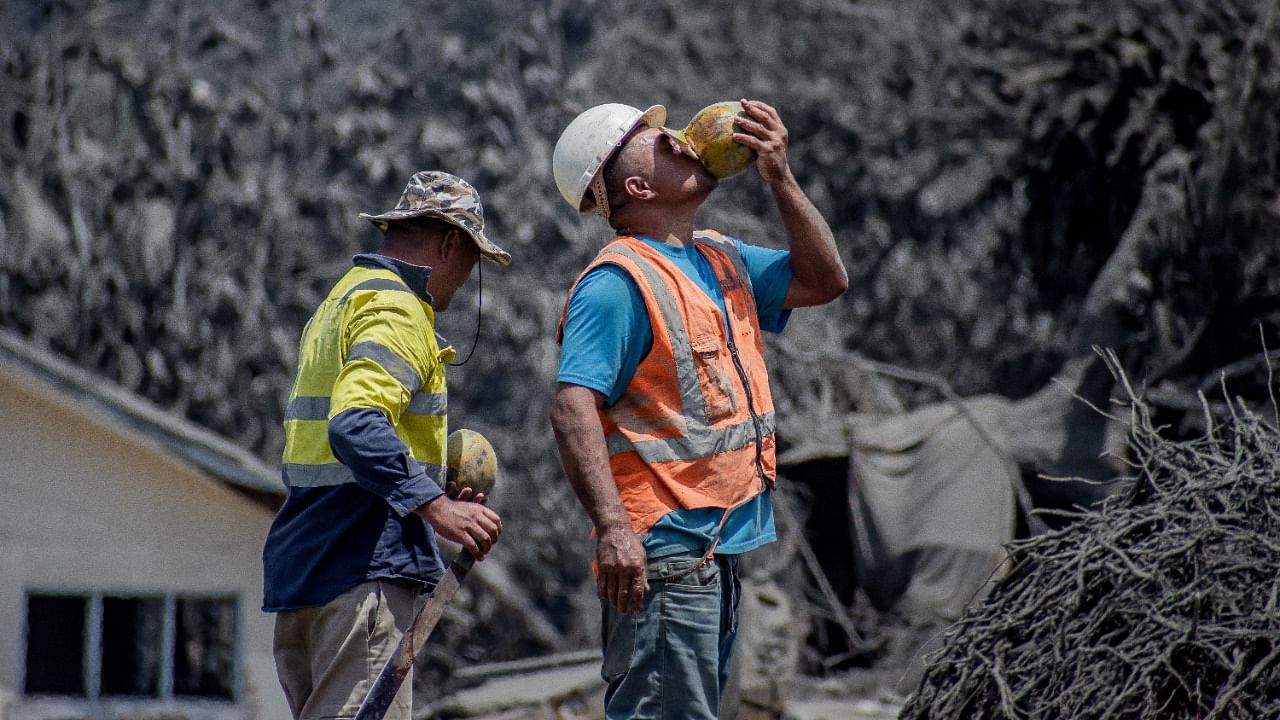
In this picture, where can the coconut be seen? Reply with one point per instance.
(471, 462)
(710, 134)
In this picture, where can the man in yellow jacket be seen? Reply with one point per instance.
(662, 410)
(352, 551)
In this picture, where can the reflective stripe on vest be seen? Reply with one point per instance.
(691, 399)
(709, 442)
(422, 424)
(726, 246)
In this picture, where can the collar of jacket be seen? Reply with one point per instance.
(415, 276)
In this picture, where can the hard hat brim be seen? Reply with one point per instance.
(655, 116)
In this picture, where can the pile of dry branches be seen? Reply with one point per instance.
(1164, 604)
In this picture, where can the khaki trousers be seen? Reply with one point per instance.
(327, 657)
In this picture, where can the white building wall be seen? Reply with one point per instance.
(87, 505)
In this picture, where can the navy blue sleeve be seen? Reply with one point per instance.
(364, 440)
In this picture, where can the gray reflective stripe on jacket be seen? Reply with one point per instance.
(391, 362)
(426, 403)
(308, 407)
(700, 439)
(329, 474)
(378, 284)
(317, 408)
(298, 475)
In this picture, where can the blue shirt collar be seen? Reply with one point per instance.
(675, 251)
(415, 276)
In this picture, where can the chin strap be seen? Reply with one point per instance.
(601, 195)
(479, 303)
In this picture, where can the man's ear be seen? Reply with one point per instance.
(449, 243)
(638, 188)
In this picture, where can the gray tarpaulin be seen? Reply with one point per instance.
(932, 492)
(932, 503)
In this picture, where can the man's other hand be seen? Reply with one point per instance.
(622, 577)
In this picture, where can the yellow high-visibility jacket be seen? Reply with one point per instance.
(370, 344)
(370, 351)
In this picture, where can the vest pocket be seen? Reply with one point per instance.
(715, 376)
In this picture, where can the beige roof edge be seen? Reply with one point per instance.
(204, 449)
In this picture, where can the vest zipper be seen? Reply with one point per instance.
(751, 405)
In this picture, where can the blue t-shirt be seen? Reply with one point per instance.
(607, 333)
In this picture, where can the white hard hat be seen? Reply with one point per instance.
(588, 143)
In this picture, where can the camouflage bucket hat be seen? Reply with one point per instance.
(448, 197)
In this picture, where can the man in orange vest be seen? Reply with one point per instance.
(662, 411)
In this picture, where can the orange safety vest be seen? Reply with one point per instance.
(695, 428)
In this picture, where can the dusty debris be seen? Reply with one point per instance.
(840, 710)
(1163, 604)
(562, 686)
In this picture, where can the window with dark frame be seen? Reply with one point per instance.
(55, 645)
(96, 645)
(132, 646)
(204, 651)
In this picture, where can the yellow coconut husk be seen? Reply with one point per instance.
(710, 134)
(471, 461)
